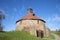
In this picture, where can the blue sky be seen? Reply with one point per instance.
(48, 10)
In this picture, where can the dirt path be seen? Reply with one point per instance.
(56, 37)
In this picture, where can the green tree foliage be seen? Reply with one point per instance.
(2, 16)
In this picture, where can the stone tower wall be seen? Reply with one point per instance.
(30, 26)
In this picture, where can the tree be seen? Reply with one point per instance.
(2, 16)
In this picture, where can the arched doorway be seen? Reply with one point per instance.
(40, 33)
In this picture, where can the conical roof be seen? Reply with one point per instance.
(30, 15)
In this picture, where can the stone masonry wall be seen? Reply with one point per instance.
(30, 26)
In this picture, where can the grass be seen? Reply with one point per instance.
(57, 32)
(21, 36)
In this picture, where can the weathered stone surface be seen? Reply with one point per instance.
(32, 24)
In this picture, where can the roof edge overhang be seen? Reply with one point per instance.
(31, 19)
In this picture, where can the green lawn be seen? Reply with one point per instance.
(57, 32)
(21, 36)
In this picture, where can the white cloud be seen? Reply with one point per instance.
(23, 7)
(56, 18)
(3, 12)
(53, 18)
(15, 9)
(58, 7)
(53, 22)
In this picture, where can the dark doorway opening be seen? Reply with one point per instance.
(40, 33)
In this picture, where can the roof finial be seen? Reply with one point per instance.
(30, 10)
